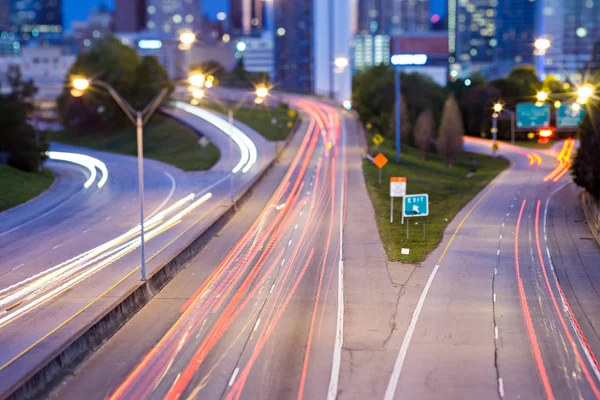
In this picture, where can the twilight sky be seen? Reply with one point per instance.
(78, 9)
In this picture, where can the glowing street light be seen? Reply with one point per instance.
(197, 79)
(542, 44)
(187, 38)
(584, 93)
(341, 62)
(81, 84)
(262, 91)
(498, 108)
(576, 107)
(542, 96)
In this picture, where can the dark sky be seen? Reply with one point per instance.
(78, 9)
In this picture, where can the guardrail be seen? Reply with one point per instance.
(591, 207)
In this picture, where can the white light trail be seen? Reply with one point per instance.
(89, 163)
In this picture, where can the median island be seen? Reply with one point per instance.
(18, 187)
(165, 140)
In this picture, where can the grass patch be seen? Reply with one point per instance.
(17, 187)
(449, 191)
(261, 120)
(165, 140)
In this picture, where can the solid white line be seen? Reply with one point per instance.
(57, 246)
(272, 288)
(108, 218)
(256, 325)
(393, 383)
(18, 266)
(501, 387)
(503, 224)
(236, 371)
(507, 214)
(301, 212)
(166, 200)
(339, 335)
(500, 237)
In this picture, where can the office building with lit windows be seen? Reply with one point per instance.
(130, 15)
(393, 17)
(572, 27)
(370, 50)
(4, 15)
(31, 18)
(170, 17)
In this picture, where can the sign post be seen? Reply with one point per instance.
(397, 189)
(380, 160)
(415, 205)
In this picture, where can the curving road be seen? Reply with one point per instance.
(492, 321)
(71, 253)
(266, 320)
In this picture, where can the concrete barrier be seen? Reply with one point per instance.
(64, 360)
(591, 209)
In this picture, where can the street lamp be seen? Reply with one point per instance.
(197, 80)
(262, 91)
(497, 110)
(584, 93)
(187, 38)
(542, 96)
(198, 94)
(541, 46)
(139, 118)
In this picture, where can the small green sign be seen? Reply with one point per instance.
(569, 116)
(532, 115)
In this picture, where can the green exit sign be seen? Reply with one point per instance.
(533, 115)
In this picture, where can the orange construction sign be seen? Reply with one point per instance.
(380, 160)
(397, 179)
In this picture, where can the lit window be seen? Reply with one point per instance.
(151, 10)
(280, 31)
(254, 21)
(151, 24)
(189, 18)
(177, 18)
(96, 34)
(473, 52)
(87, 42)
(167, 28)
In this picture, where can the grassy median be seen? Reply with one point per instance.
(449, 191)
(164, 140)
(261, 120)
(17, 187)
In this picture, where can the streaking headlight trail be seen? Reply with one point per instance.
(245, 144)
(89, 163)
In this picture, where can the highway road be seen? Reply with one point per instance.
(265, 320)
(492, 320)
(68, 255)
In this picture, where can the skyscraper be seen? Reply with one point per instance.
(4, 15)
(35, 17)
(393, 17)
(572, 27)
(515, 31)
(294, 45)
(173, 16)
(246, 16)
(130, 15)
(472, 31)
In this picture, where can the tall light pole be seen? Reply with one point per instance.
(139, 119)
(541, 48)
(497, 110)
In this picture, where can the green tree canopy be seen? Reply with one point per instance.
(450, 139)
(586, 167)
(136, 80)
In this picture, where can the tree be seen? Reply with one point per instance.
(586, 167)
(151, 77)
(424, 134)
(405, 125)
(477, 109)
(450, 139)
(17, 136)
(136, 80)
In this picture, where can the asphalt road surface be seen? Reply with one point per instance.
(265, 321)
(68, 255)
(492, 321)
